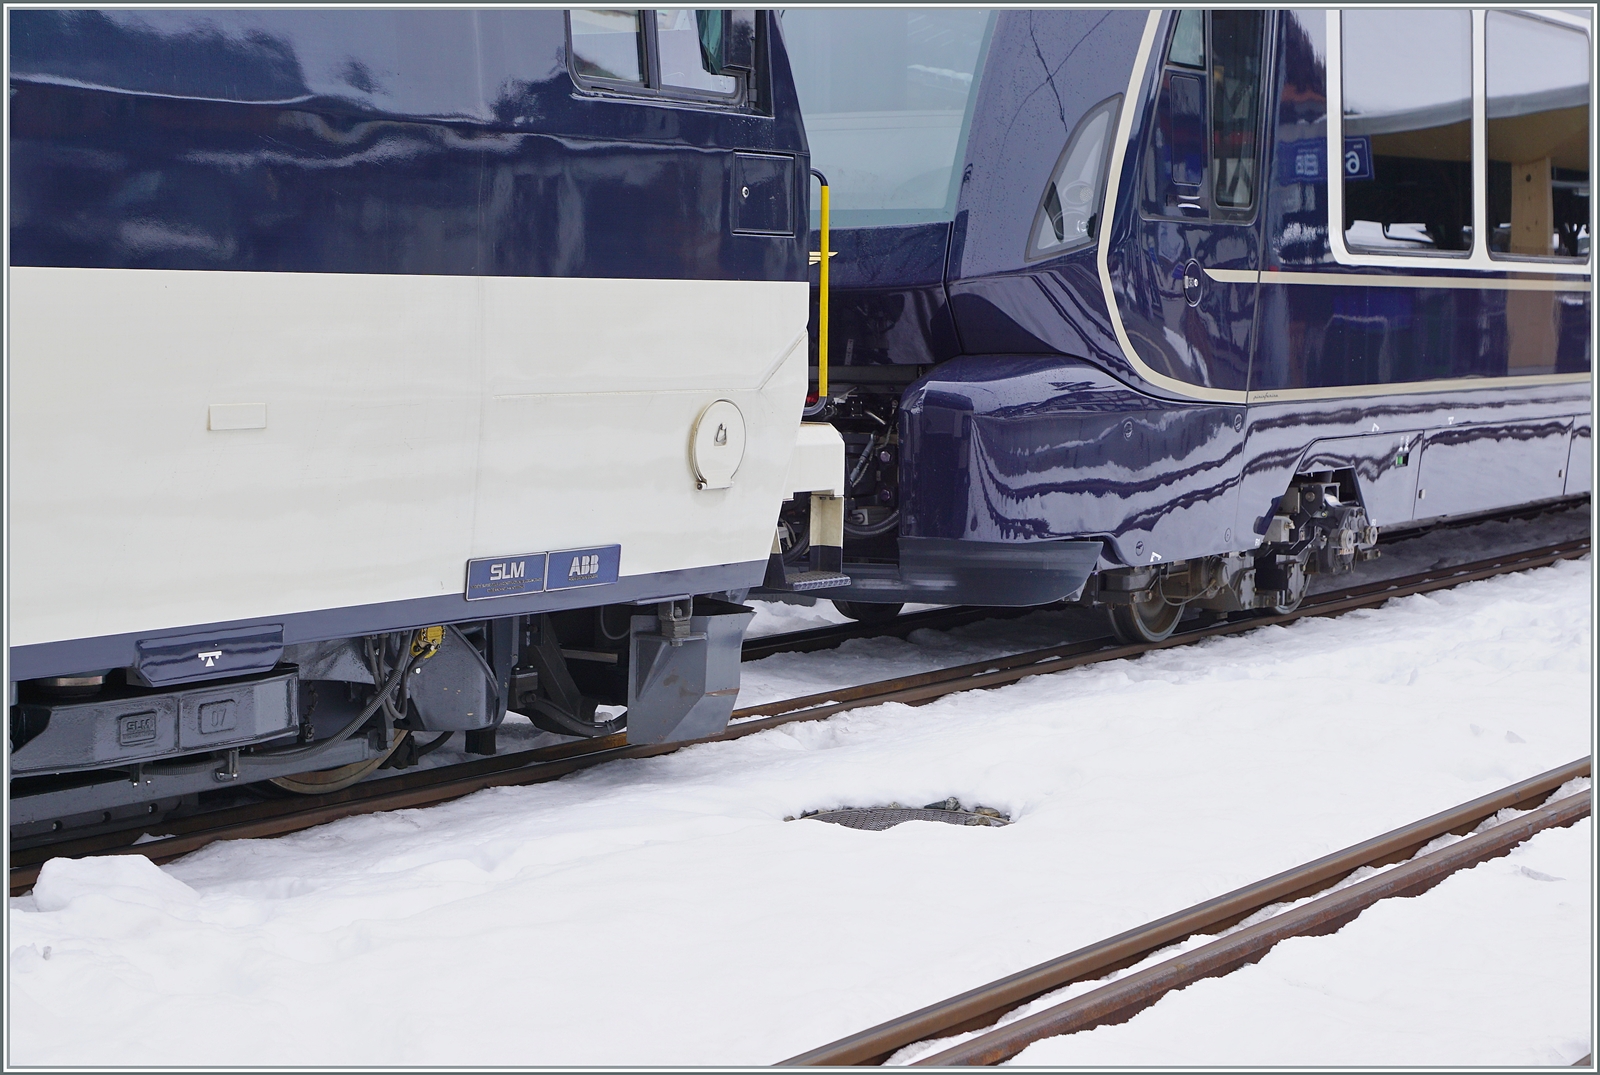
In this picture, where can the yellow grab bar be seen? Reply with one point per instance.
(822, 295)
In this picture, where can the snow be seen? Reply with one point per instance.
(1381, 990)
(1052, 1053)
(784, 617)
(660, 911)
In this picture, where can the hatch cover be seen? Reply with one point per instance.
(878, 818)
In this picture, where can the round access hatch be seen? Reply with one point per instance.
(716, 445)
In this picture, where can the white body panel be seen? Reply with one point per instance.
(818, 465)
(407, 424)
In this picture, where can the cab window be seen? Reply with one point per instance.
(1202, 156)
(671, 52)
(690, 43)
(607, 45)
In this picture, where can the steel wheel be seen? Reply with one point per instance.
(1288, 606)
(321, 781)
(1297, 594)
(1148, 620)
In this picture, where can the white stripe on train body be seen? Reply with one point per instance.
(411, 423)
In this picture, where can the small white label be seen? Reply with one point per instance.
(237, 416)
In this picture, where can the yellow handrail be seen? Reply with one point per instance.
(822, 295)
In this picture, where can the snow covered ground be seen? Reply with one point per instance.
(1404, 984)
(660, 911)
(1380, 962)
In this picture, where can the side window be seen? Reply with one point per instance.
(691, 48)
(1202, 155)
(1068, 217)
(608, 45)
(1538, 138)
(1188, 39)
(1236, 105)
(676, 52)
(1406, 79)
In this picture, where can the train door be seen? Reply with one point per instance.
(1199, 218)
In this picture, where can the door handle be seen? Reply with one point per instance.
(1192, 283)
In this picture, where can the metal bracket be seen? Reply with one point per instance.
(674, 617)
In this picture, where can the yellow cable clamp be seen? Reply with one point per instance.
(427, 642)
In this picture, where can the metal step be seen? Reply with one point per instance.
(814, 580)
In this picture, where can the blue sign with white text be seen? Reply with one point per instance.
(505, 576)
(1357, 157)
(584, 567)
(1303, 161)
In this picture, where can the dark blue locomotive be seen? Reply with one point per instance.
(1160, 310)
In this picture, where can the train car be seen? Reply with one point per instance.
(1168, 310)
(374, 372)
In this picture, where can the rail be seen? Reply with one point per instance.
(426, 787)
(1120, 1000)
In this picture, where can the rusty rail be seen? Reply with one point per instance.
(430, 786)
(1118, 1001)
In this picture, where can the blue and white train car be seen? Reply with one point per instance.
(1168, 309)
(456, 350)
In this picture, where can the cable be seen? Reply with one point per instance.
(323, 746)
(429, 748)
(883, 526)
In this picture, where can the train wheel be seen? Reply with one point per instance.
(1299, 587)
(322, 781)
(1147, 620)
(862, 612)
(1288, 606)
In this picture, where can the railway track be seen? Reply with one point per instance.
(1122, 999)
(1119, 1000)
(425, 787)
(943, 619)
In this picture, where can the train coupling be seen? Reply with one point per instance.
(816, 469)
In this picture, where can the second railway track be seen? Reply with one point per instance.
(179, 836)
(1121, 998)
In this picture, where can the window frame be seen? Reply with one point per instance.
(1479, 256)
(612, 85)
(652, 89)
(1552, 259)
(1112, 106)
(1214, 213)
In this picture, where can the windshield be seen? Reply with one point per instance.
(886, 94)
